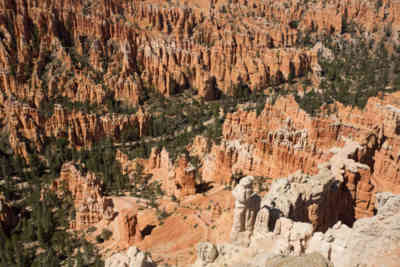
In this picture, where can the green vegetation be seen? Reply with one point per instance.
(91, 229)
(142, 187)
(104, 236)
(178, 119)
(111, 105)
(360, 70)
(162, 214)
(40, 238)
(294, 24)
(101, 160)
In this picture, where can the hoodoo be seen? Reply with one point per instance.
(207, 133)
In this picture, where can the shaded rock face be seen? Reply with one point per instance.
(342, 190)
(292, 210)
(372, 241)
(333, 194)
(318, 199)
(321, 199)
(298, 207)
(8, 219)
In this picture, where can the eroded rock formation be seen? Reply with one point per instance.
(89, 203)
(177, 177)
(126, 229)
(80, 129)
(292, 141)
(247, 204)
(95, 52)
(91, 56)
(370, 242)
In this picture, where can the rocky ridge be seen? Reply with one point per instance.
(92, 52)
(83, 71)
(344, 173)
(292, 243)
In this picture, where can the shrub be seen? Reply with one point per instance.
(99, 239)
(294, 24)
(91, 229)
(105, 235)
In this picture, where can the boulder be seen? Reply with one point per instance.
(133, 257)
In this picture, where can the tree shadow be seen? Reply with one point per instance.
(203, 187)
(147, 230)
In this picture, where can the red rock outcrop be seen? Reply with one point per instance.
(292, 140)
(89, 203)
(93, 209)
(104, 52)
(375, 128)
(177, 177)
(126, 232)
(81, 129)
(184, 179)
(89, 53)
(154, 43)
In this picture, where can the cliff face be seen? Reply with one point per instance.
(79, 128)
(280, 141)
(85, 70)
(89, 203)
(91, 52)
(128, 45)
(378, 135)
(124, 45)
(362, 241)
(343, 149)
(283, 139)
(289, 141)
(293, 243)
(92, 209)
